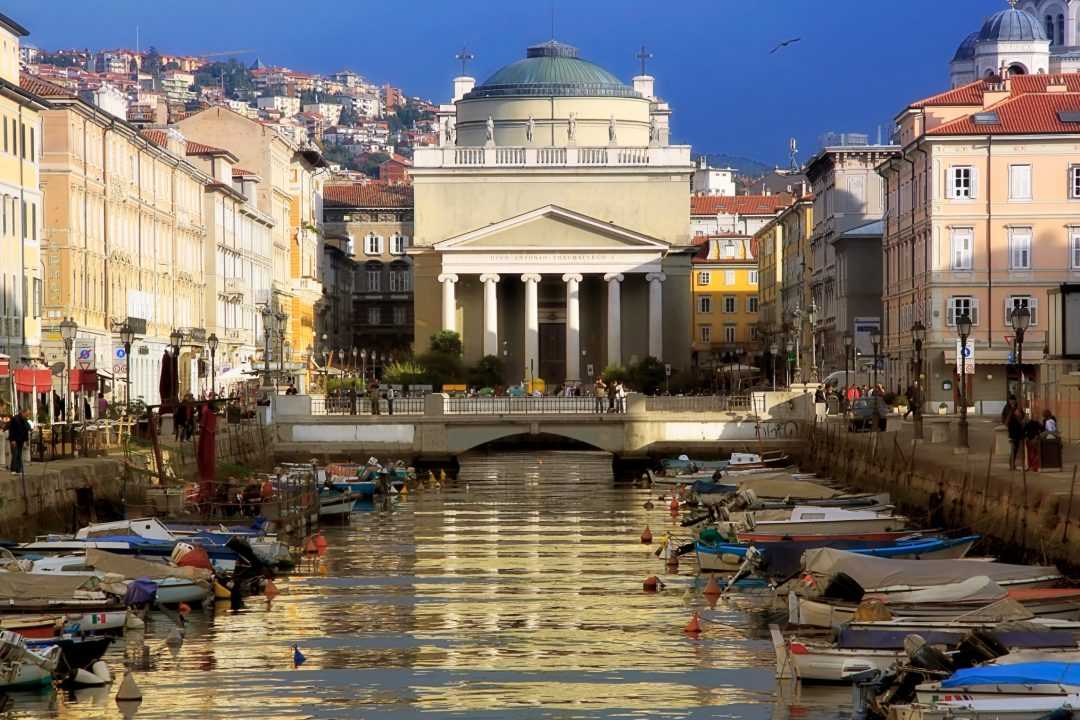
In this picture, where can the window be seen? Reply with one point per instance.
(398, 243)
(753, 277)
(373, 244)
(961, 183)
(729, 333)
(1015, 302)
(704, 278)
(399, 281)
(374, 315)
(752, 304)
(729, 303)
(729, 249)
(374, 280)
(1074, 248)
(729, 277)
(1020, 248)
(963, 241)
(1019, 182)
(1074, 181)
(400, 315)
(959, 306)
(705, 304)
(705, 333)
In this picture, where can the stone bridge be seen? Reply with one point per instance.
(438, 426)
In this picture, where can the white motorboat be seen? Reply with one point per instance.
(1010, 708)
(21, 667)
(174, 584)
(812, 520)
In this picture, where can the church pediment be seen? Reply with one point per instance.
(551, 228)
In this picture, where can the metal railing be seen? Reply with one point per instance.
(524, 405)
(362, 406)
(699, 403)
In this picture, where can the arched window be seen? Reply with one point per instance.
(1017, 69)
(1060, 30)
(1050, 27)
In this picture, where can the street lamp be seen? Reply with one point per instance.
(773, 352)
(127, 336)
(212, 343)
(1021, 320)
(68, 328)
(355, 355)
(963, 328)
(787, 362)
(176, 339)
(796, 316)
(286, 354)
(918, 334)
(267, 315)
(812, 317)
(363, 366)
(875, 341)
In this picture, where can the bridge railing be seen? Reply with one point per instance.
(524, 405)
(699, 403)
(362, 406)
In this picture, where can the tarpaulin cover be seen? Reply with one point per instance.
(24, 586)
(132, 567)
(778, 487)
(1035, 673)
(873, 573)
(852, 639)
(977, 589)
(140, 592)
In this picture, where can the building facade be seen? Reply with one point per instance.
(848, 193)
(742, 214)
(20, 203)
(725, 303)
(376, 222)
(551, 221)
(981, 220)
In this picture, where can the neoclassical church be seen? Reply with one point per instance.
(552, 221)
(1029, 36)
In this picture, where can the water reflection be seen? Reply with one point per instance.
(512, 592)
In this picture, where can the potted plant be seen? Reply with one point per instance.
(942, 409)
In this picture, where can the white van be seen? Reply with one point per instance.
(840, 378)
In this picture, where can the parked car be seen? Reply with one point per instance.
(861, 414)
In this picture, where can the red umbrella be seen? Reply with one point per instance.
(206, 459)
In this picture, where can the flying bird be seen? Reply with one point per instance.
(785, 44)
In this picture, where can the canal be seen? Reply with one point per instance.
(512, 592)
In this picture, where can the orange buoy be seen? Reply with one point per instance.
(648, 505)
(646, 536)
(270, 590)
(183, 608)
(712, 588)
(651, 584)
(310, 547)
(674, 505)
(694, 626)
(320, 542)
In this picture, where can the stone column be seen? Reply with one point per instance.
(656, 314)
(532, 326)
(573, 326)
(449, 303)
(614, 318)
(491, 314)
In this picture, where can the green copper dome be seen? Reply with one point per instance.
(552, 69)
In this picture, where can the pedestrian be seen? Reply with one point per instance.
(390, 395)
(912, 399)
(18, 436)
(620, 398)
(190, 413)
(1015, 426)
(600, 393)
(1032, 430)
(352, 399)
(373, 394)
(612, 391)
(1049, 421)
(102, 406)
(179, 422)
(1008, 410)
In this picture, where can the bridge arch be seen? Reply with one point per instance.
(608, 437)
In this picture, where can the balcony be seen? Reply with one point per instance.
(307, 289)
(551, 157)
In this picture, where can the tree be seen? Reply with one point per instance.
(615, 373)
(405, 372)
(236, 76)
(648, 376)
(446, 342)
(489, 372)
(369, 163)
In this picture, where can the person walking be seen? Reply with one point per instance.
(390, 395)
(1049, 421)
(1008, 410)
(102, 406)
(620, 398)
(912, 399)
(18, 436)
(1015, 426)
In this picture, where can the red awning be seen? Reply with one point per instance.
(85, 380)
(33, 379)
(5, 366)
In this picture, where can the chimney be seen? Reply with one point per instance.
(643, 84)
(1056, 84)
(462, 85)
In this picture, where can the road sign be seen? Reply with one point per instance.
(968, 354)
(1008, 339)
(84, 353)
(667, 369)
(119, 360)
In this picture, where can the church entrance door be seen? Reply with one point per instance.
(552, 353)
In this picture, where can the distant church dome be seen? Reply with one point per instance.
(1012, 25)
(966, 51)
(552, 69)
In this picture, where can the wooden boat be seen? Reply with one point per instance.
(334, 503)
(812, 521)
(33, 626)
(753, 536)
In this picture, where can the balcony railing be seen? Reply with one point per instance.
(702, 403)
(569, 156)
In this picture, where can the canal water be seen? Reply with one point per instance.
(512, 592)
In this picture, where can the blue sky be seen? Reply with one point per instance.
(858, 63)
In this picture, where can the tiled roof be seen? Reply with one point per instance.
(41, 88)
(738, 204)
(1020, 115)
(970, 94)
(194, 148)
(157, 137)
(243, 172)
(371, 194)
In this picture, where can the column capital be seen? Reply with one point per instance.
(530, 277)
(572, 277)
(658, 276)
(489, 277)
(448, 277)
(617, 277)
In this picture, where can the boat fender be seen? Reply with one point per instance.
(652, 584)
(129, 689)
(712, 588)
(270, 590)
(183, 608)
(85, 678)
(297, 656)
(320, 543)
(694, 626)
(101, 669)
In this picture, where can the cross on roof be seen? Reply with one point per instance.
(464, 56)
(644, 56)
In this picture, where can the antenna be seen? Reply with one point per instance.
(464, 57)
(793, 152)
(137, 40)
(644, 56)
